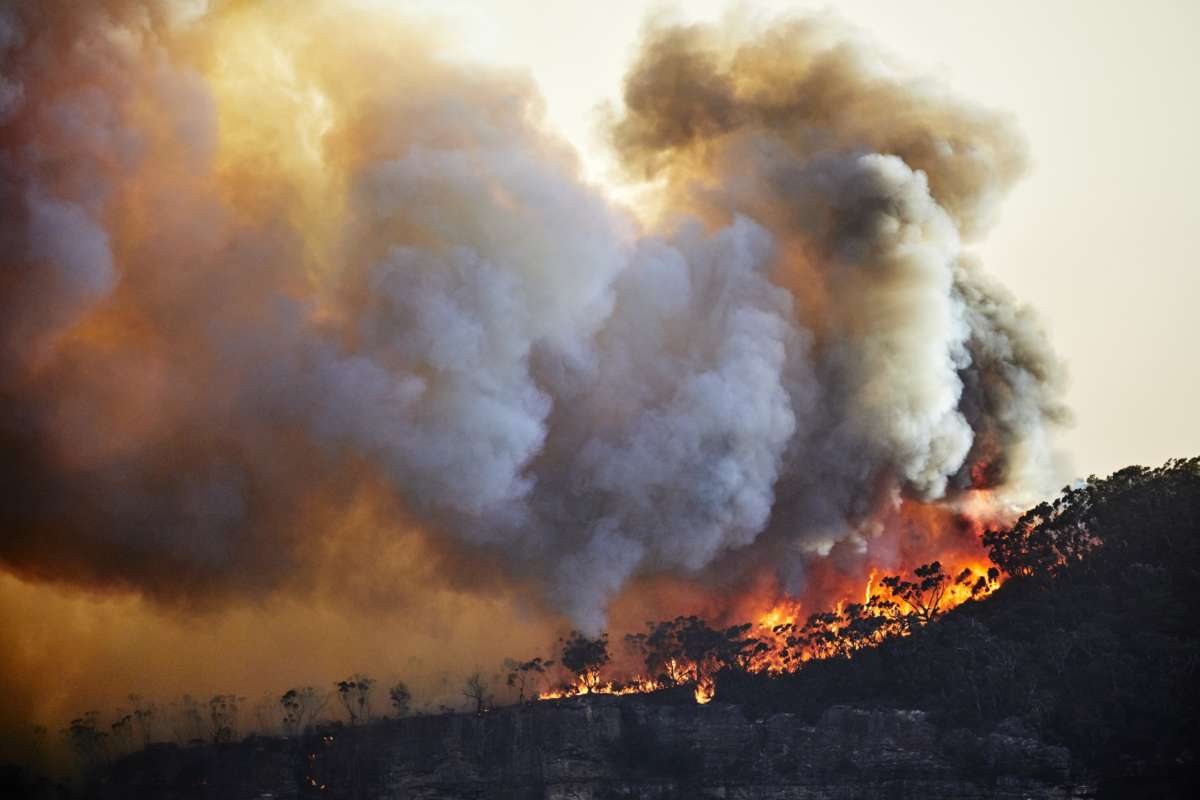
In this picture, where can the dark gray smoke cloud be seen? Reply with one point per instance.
(228, 297)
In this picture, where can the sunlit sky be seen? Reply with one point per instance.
(1101, 237)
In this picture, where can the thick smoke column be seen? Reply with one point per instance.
(260, 255)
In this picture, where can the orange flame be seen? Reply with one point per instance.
(788, 631)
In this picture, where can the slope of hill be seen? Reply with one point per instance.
(1080, 671)
(1094, 644)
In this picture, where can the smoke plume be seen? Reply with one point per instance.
(272, 266)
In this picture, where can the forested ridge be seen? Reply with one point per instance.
(1092, 643)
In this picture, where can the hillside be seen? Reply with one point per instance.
(1077, 677)
(1094, 644)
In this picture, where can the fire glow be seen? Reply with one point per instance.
(300, 304)
(783, 640)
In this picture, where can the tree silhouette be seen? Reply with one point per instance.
(400, 698)
(526, 676)
(923, 596)
(223, 717)
(122, 732)
(188, 720)
(585, 658)
(300, 708)
(89, 743)
(475, 690)
(144, 715)
(686, 649)
(355, 696)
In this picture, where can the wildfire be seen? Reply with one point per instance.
(589, 683)
(782, 639)
(974, 580)
(784, 613)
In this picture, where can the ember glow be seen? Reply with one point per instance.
(299, 303)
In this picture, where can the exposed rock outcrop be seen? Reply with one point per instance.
(588, 749)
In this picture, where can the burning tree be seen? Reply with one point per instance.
(978, 586)
(922, 596)
(585, 658)
(687, 649)
(869, 624)
(838, 633)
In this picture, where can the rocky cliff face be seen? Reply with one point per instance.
(588, 749)
(641, 749)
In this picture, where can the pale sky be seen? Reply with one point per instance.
(1101, 237)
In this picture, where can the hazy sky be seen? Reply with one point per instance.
(1101, 237)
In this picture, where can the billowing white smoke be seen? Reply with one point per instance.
(898, 338)
(194, 344)
(687, 415)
